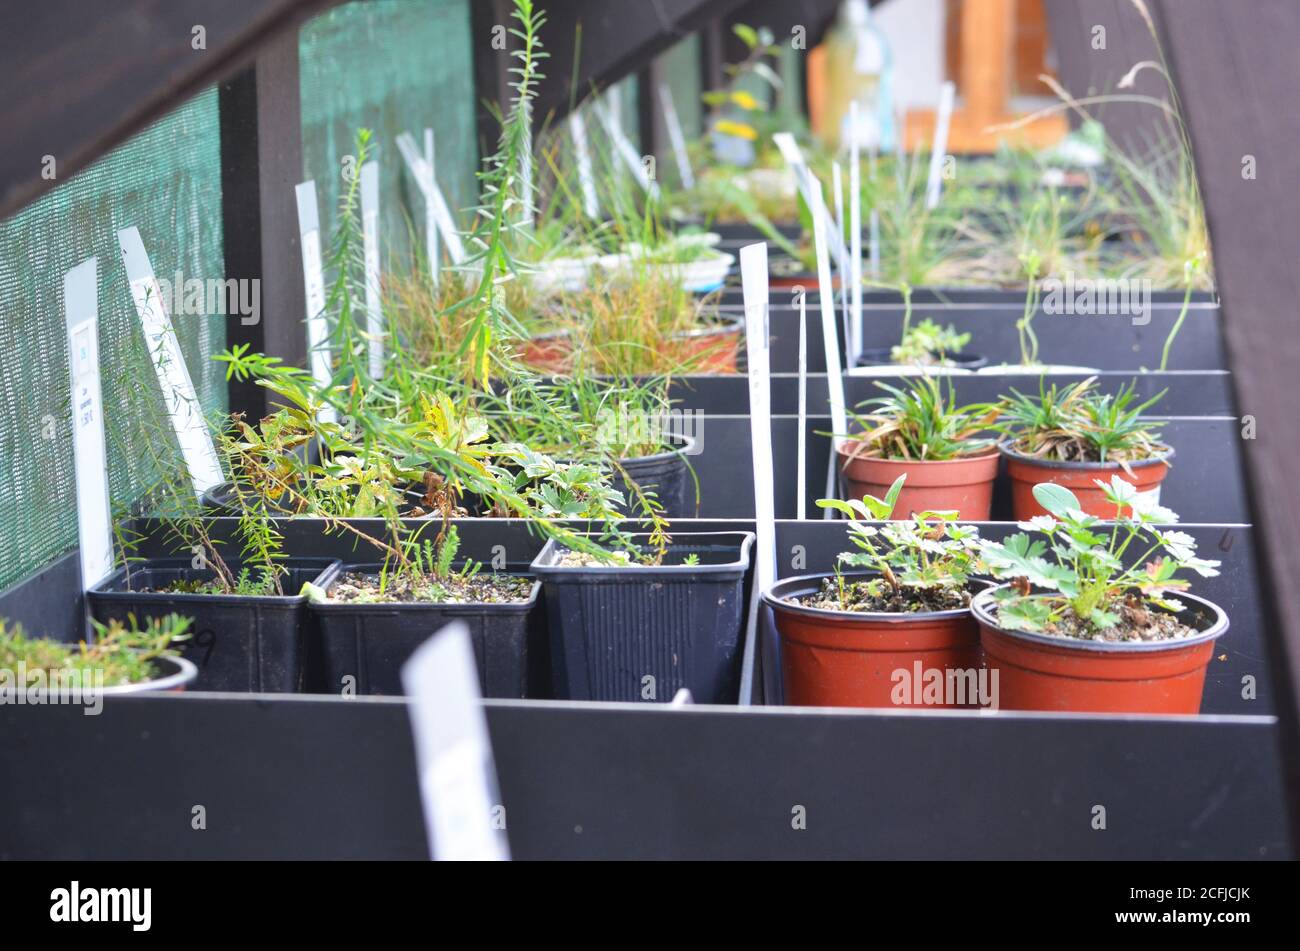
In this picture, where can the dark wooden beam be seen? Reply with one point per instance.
(650, 115)
(490, 45)
(607, 41)
(713, 55)
(1096, 43)
(1236, 72)
(261, 162)
(80, 78)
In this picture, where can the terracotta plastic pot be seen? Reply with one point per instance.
(879, 659)
(1026, 472)
(964, 485)
(713, 348)
(1043, 672)
(550, 352)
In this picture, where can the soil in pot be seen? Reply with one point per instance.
(639, 633)
(1025, 472)
(550, 352)
(964, 485)
(1154, 662)
(365, 632)
(918, 650)
(243, 643)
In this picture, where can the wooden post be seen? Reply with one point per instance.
(261, 161)
(1236, 72)
(986, 32)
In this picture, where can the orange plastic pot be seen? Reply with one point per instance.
(710, 349)
(550, 352)
(807, 281)
(843, 659)
(963, 485)
(1042, 672)
(1026, 472)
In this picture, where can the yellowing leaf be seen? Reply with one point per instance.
(744, 100)
(739, 129)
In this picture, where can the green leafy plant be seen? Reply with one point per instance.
(1075, 423)
(921, 422)
(1079, 580)
(929, 343)
(123, 653)
(924, 563)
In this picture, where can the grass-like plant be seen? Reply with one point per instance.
(1077, 423)
(922, 423)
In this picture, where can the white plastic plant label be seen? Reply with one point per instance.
(794, 159)
(370, 241)
(464, 817)
(754, 282)
(801, 477)
(428, 185)
(179, 396)
(830, 338)
(676, 137)
(313, 280)
(430, 219)
(938, 151)
(586, 180)
(94, 519)
(623, 150)
(854, 340)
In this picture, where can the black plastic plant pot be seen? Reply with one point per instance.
(239, 643)
(667, 474)
(883, 356)
(369, 643)
(638, 632)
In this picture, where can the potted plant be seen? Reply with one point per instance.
(649, 617)
(372, 616)
(927, 344)
(690, 261)
(650, 325)
(920, 433)
(1088, 619)
(1073, 436)
(246, 608)
(898, 632)
(617, 424)
(123, 658)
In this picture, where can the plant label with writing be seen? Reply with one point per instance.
(458, 785)
(313, 281)
(179, 396)
(94, 521)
